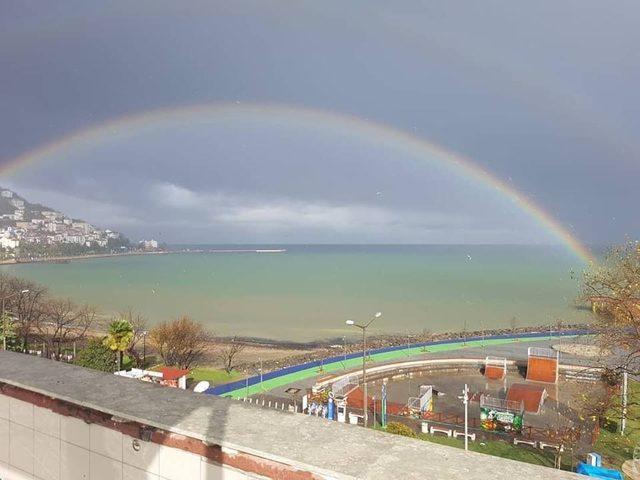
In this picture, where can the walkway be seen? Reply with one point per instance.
(278, 378)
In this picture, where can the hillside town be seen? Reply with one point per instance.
(33, 230)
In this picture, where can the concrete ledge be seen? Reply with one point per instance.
(318, 447)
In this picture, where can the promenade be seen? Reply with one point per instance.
(297, 373)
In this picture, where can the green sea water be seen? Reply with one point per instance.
(308, 292)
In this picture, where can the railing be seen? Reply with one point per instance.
(344, 386)
(542, 352)
(528, 431)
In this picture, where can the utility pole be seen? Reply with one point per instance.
(465, 401)
(4, 326)
(144, 349)
(374, 410)
(365, 402)
(623, 423)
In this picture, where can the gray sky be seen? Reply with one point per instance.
(542, 95)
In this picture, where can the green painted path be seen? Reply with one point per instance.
(268, 385)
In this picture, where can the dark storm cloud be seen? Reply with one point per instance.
(543, 95)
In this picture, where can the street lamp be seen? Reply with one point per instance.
(465, 401)
(4, 317)
(144, 349)
(364, 360)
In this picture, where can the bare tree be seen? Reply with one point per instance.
(228, 354)
(22, 300)
(63, 322)
(181, 342)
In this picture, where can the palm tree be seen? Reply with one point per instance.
(119, 337)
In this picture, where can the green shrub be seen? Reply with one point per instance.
(97, 356)
(401, 429)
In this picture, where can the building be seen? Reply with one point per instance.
(84, 227)
(9, 243)
(149, 244)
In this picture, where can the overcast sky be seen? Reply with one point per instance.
(543, 95)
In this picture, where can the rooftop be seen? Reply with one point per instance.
(321, 448)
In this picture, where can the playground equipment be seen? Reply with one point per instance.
(495, 368)
(344, 386)
(531, 396)
(500, 415)
(542, 365)
(422, 403)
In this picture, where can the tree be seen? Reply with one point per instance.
(96, 355)
(119, 337)
(139, 325)
(181, 342)
(613, 290)
(23, 299)
(7, 329)
(228, 355)
(63, 322)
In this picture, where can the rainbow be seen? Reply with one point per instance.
(313, 118)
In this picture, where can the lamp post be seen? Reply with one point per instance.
(364, 360)
(465, 401)
(144, 349)
(4, 317)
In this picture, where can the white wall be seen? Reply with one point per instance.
(36, 443)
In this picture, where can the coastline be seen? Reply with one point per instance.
(292, 353)
(70, 258)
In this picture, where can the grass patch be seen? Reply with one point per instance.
(214, 376)
(496, 448)
(614, 447)
(501, 449)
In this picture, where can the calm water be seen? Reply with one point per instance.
(308, 292)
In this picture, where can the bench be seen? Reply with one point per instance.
(446, 431)
(559, 448)
(354, 419)
(471, 436)
(518, 441)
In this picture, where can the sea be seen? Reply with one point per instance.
(307, 292)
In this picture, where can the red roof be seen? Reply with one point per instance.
(170, 373)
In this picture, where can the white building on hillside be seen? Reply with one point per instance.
(9, 243)
(149, 244)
